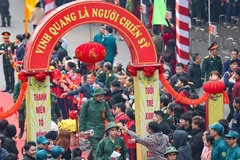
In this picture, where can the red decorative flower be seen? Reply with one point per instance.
(148, 71)
(22, 76)
(161, 69)
(41, 77)
(118, 149)
(132, 70)
(72, 114)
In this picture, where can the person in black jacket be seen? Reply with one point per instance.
(117, 92)
(163, 126)
(179, 73)
(9, 143)
(196, 143)
(194, 71)
(30, 150)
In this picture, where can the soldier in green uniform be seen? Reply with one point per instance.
(55, 110)
(21, 110)
(112, 143)
(94, 112)
(219, 147)
(100, 72)
(6, 49)
(212, 62)
(107, 67)
(233, 152)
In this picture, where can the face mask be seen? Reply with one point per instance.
(166, 75)
(131, 97)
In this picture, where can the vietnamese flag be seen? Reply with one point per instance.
(159, 13)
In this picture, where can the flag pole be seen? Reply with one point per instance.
(209, 22)
(141, 15)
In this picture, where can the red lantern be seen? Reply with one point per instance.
(214, 87)
(90, 53)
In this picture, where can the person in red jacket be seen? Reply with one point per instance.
(236, 87)
(130, 142)
(119, 113)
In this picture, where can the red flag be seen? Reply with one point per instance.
(49, 6)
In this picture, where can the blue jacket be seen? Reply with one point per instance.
(20, 53)
(236, 121)
(109, 42)
(85, 89)
(226, 65)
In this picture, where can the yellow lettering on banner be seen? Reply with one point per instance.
(107, 13)
(83, 14)
(100, 13)
(62, 23)
(134, 29)
(122, 20)
(142, 42)
(43, 43)
(94, 12)
(73, 16)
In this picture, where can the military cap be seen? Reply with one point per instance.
(41, 155)
(6, 34)
(217, 127)
(170, 149)
(42, 140)
(112, 125)
(57, 151)
(232, 134)
(213, 46)
(98, 91)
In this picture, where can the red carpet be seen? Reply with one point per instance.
(6, 102)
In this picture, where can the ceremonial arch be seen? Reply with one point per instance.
(71, 15)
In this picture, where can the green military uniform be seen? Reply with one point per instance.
(21, 110)
(92, 118)
(109, 78)
(234, 152)
(101, 75)
(106, 146)
(7, 67)
(219, 147)
(130, 6)
(211, 63)
(170, 121)
(55, 111)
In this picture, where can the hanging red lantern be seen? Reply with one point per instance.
(214, 87)
(90, 53)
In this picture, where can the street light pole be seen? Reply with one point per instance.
(209, 22)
